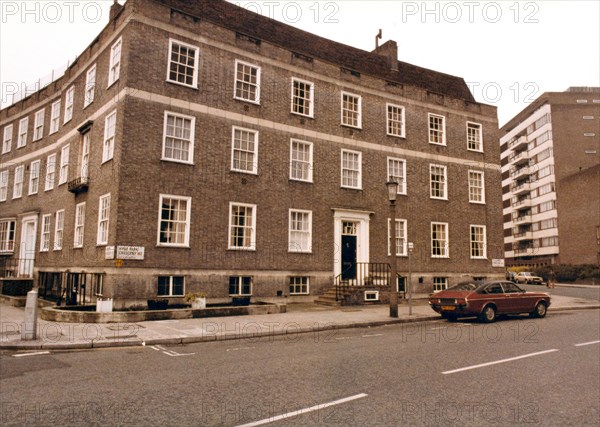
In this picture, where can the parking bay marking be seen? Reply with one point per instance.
(510, 359)
(37, 353)
(169, 352)
(304, 411)
(587, 343)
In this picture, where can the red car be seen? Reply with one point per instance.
(486, 300)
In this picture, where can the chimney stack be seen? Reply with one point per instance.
(115, 9)
(390, 50)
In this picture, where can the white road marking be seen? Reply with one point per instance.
(37, 353)
(169, 352)
(343, 338)
(240, 348)
(498, 361)
(448, 326)
(304, 411)
(587, 343)
(372, 335)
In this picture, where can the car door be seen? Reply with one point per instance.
(494, 293)
(516, 300)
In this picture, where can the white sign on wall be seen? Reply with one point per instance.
(130, 252)
(109, 252)
(498, 262)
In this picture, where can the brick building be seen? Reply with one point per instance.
(551, 180)
(195, 145)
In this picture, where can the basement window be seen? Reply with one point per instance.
(371, 295)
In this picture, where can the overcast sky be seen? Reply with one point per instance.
(510, 52)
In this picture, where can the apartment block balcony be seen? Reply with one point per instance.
(520, 158)
(523, 235)
(522, 219)
(522, 203)
(79, 185)
(520, 189)
(524, 251)
(520, 173)
(519, 143)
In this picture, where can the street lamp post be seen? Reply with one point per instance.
(410, 249)
(392, 188)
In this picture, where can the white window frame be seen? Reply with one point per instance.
(108, 146)
(64, 165)
(403, 238)
(190, 141)
(8, 229)
(114, 68)
(90, 86)
(38, 124)
(300, 164)
(103, 220)
(170, 293)
(432, 131)
(79, 232)
(3, 185)
(297, 283)
(240, 285)
(59, 226)
(34, 177)
(69, 101)
(196, 50)
(483, 243)
(7, 138)
(440, 284)
(482, 180)
(237, 81)
(45, 233)
(55, 117)
(50, 172)
(251, 228)
(345, 112)
(18, 184)
(310, 99)
(22, 137)
(479, 126)
(445, 247)
(186, 222)
(254, 170)
(371, 296)
(444, 183)
(297, 237)
(359, 171)
(402, 182)
(85, 155)
(390, 121)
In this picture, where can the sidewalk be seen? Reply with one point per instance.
(300, 318)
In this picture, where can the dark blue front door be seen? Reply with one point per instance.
(348, 257)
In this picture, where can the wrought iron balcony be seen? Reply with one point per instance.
(79, 185)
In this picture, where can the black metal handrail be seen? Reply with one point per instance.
(72, 288)
(369, 274)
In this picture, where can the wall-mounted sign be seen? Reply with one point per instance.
(498, 262)
(109, 252)
(130, 252)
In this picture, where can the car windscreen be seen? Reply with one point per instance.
(465, 286)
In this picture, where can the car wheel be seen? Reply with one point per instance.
(539, 311)
(488, 315)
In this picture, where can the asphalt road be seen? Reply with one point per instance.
(539, 372)
(592, 293)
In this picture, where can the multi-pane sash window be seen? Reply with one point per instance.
(85, 154)
(103, 219)
(300, 239)
(439, 240)
(90, 86)
(174, 220)
(109, 136)
(301, 159)
(438, 180)
(476, 187)
(401, 243)
(437, 129)
(440, 283)
(69, 99)
(397, 173)
(299, 285)
(351, 110)
(183, 64)
(395, 120)
(302, 97)
(64, 165)
(242, 226)
(244, 156)
(478, 241)
(45, 237)
(59, 223)
(3, 185)
(55, 117)
(247, 82)
(178, 143)
(7, 139)
(18, 184)
(171, 286)
(7, 236)
(38, 124)
(474, 136)
(351, 169)
(22, 137)
(50, 172)
(114, 69)
(79, 225)
(34, 177)
(240, 285)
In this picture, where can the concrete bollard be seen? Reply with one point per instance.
(29, 326)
